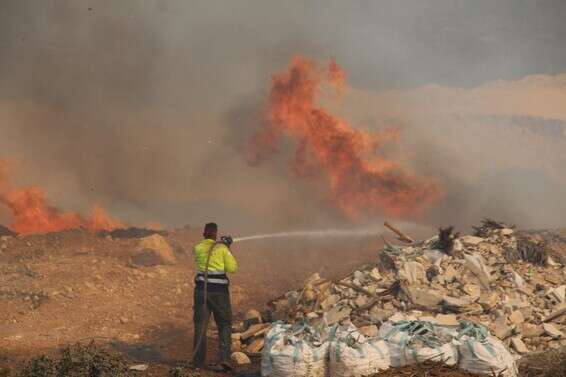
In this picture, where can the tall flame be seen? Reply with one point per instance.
(358, 185)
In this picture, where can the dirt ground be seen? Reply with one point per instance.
(63, 288)
(60, 289)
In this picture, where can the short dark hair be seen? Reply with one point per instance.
(210, 228)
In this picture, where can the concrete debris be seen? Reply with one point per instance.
(369, 331)
(446, 320)
(482, 280)
(552, 331)
(516, 317)
(558, 294)
(471, 240)
(518, 345)
(411, 272)
(253, 316)
(558, 312)
(426, 298)
(336, 314)
(139, 367)
(256, 346)
(475, 263)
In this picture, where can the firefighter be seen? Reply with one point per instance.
(214, 296)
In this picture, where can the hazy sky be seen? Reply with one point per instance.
(131, 103)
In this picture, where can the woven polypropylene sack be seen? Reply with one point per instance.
(287, 354)
(483, 354)
(403, 355)
(353, 355)
(412, 342)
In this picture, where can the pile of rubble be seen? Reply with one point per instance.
(498, 277)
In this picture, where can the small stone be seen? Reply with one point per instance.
(450, 274)
(412, 272)
(516, 317)
(313, 278)
(123, 320)
(329, 302)
(360, 301)
(375, 275)
(519, 345)
(359, 275)
(527, 312)
(240, 358)
(471, 240)
(531, 331)
(558, 294)
(557, 312)
(253, 315)
(236, 345)
(473, 290)
(426, 298)
(506, 231)
(503, 332)
(380, 315)
(446, 320)
(256, 346)
(309, 294)
(139, 367)
(369, 331)
(552, 331)
(397, 317)
(336, 314)
(454, 304)
(488, 300)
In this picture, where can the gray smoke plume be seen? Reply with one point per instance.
(144, 106)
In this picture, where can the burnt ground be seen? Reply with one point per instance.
(62, 288)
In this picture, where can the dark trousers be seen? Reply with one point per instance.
(217, 303)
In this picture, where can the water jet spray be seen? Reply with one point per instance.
(321, 233)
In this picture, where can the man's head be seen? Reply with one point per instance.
(210, 231)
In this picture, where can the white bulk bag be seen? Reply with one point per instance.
(292, 351)
(353, 355)
(481, 353)
(412, 342)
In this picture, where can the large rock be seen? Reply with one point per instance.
(412, 272)
(336, 314)
(476, 264)
(253, 316)
(426, 298)
(240, 358)
(153, 250)
(552, 331)
(472, 240)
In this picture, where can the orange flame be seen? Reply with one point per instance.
(31, 213)
(358, 185)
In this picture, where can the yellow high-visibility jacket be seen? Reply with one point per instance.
(221, 259)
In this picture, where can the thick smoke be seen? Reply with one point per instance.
(139, 106)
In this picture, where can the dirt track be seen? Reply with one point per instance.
(58, 289)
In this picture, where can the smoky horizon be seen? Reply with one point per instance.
(147, 112)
